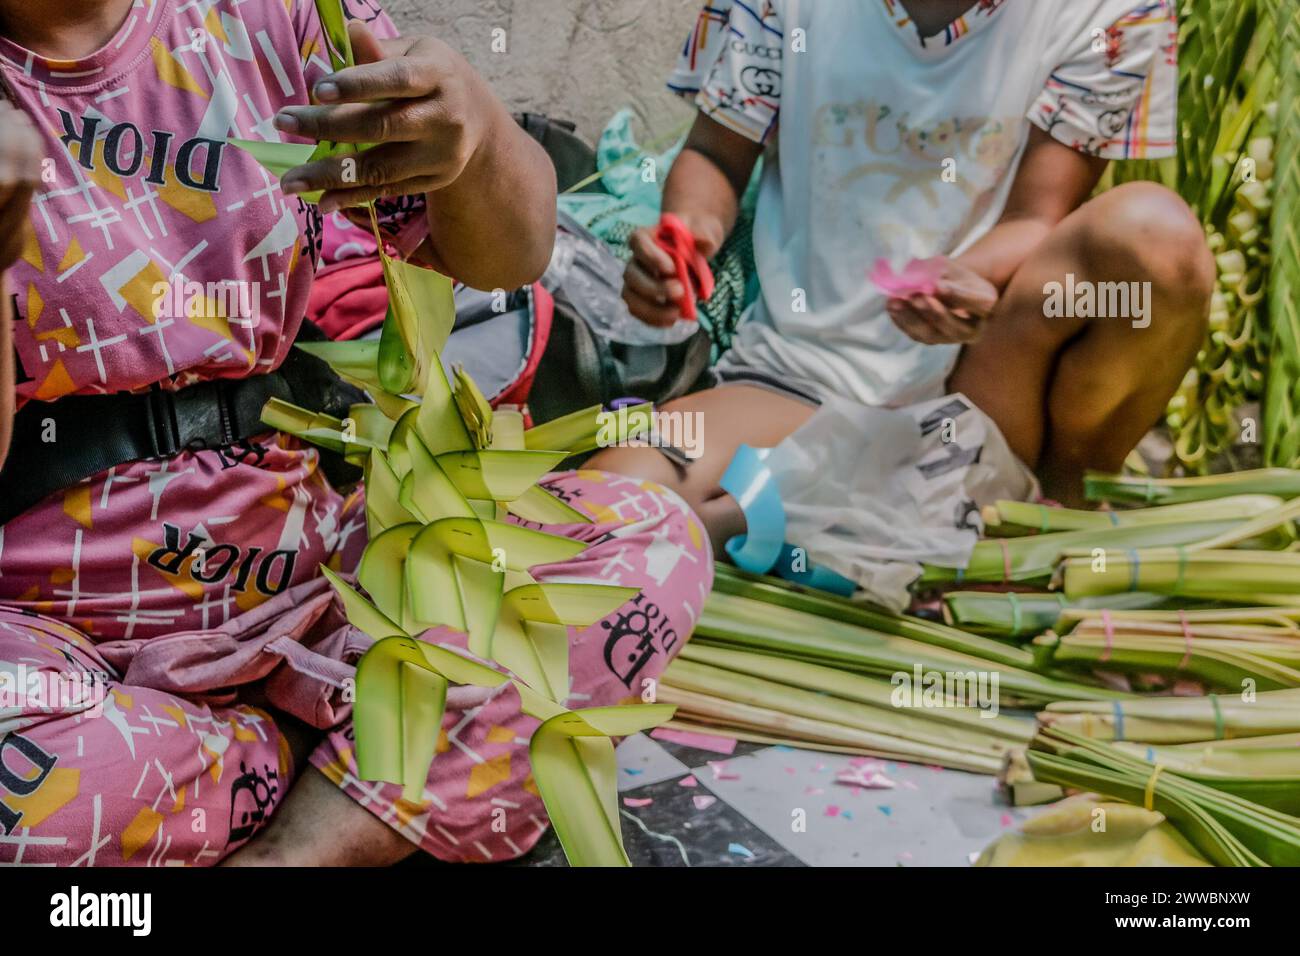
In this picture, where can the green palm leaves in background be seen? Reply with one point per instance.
(1229, 53)
(1282, 431)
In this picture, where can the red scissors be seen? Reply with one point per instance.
(690, 266)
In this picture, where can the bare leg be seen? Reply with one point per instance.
(732, 415)
(1072, 394)
(320, 825)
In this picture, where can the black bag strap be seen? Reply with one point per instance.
(573, 159)
(57, 444)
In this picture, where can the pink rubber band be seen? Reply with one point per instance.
(1109, 629)
(1187, 637)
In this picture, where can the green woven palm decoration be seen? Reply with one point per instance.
(1282, 418)
(1224, 170)
(443, 472)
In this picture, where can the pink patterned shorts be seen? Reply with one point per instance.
(146, 747)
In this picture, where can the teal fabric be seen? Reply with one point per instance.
(634, 192)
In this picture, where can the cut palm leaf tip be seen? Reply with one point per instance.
(443, 471)
(278, 158)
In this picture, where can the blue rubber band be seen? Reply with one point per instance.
(1119, 719)
(1114, 518)
(1016, 622)
(1134, 569)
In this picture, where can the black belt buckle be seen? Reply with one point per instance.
(191, 419)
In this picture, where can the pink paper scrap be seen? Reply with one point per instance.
(688, 781)
(720, 771)
(637, 801)
(703, 802)
(709, 742)
(868, 777)
(918, 277)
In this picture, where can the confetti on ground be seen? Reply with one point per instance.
(846, 814)
(814, 791)
(832, 810)
(1006, 820)
(703, 802)
(886, 809)
(720, 771)
(740, 850)
(905, 855)
(688, 781)
(709, 742)
(632, 773)
(910, 785)
(972, 856)
(637, 801)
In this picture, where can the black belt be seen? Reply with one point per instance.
(57, 444)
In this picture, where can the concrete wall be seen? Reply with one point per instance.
(576, 59)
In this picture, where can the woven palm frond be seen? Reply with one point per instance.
(1224, 170)
(1282, 405)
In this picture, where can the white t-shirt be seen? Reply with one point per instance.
(884, 146)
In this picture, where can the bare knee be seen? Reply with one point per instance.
(1147, 231)
(646, 464)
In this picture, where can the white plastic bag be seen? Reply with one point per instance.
(872, 493)
(591, 278)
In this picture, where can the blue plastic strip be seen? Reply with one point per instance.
(749, 481)
(763, 548)
(816, 576)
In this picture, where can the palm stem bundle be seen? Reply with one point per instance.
(741, 623)
(775, 592)
(1176, 720)
(1025, 614)
(1031, 559)
(1233, 821)
(1138, 489)
(818, 705)
(1275, 756)
(1014, 518)
(1223, 656)
(1235, 577)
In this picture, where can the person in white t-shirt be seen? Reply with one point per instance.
(913, 129)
